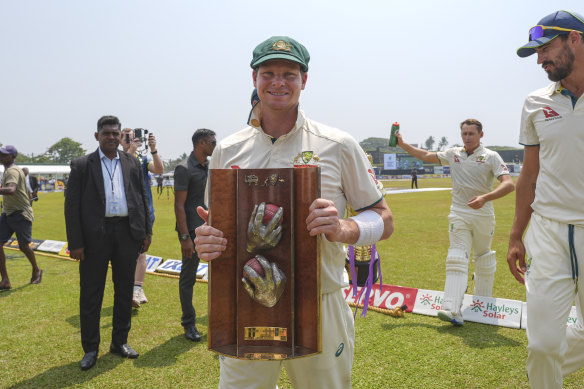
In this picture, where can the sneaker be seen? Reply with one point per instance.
(143, 299)
(454, 318)
(136, 298)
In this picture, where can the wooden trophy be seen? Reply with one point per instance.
(239, 324)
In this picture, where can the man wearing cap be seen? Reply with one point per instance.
(17, 216)
(277, 135)
(549, 198)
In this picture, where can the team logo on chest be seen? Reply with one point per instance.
(481, 159)
(306, 158)
(550, 114)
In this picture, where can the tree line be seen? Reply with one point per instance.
(66, 149)
(62, 152)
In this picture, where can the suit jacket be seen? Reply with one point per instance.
(34, 184)
(85, 200)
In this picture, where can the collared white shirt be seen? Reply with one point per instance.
(550, 121)
(472, 175)
(346, 175)
(113, 184)
(28, 187)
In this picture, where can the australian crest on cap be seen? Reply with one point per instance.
(281, 45)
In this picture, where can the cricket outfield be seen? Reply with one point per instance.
(40, 323)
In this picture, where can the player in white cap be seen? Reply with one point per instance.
(550, 198)
(279, 136)
(472, 217)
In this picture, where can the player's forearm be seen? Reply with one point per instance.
(503, 189)
(424, 155)
(157, 167)
(8, 190)
(349, 229)
(524, 198)
(181, 218)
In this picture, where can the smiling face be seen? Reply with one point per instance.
(279, 83)
(471, 137)
(556, 58)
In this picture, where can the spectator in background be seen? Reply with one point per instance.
(17, 215)
(159, 181)
(27, 180)
(150, 164)
(32, 185)
(107, 220)
(414, 178)
(190, 180)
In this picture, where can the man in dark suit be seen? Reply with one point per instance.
(34, 186)
(107, 218)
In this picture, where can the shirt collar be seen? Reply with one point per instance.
(194, 161)
(475, 152)
(254, 121)
(102, 155)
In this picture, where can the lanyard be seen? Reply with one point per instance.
(111, 175)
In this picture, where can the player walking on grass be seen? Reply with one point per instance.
(550, 198)
(472, 216)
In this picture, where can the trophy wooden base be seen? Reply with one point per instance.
(239, 326)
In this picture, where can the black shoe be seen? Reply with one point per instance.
(191, 333)
(88, 360)
(124, 350)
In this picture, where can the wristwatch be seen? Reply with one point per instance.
(183, 237)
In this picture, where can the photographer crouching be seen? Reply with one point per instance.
(133, 142)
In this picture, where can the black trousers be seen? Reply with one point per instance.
(186, 283)
(119, 247)
(414, 181)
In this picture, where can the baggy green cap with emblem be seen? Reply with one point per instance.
(280, 47)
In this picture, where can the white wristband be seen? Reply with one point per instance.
(371, 227)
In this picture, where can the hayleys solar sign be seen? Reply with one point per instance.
(487, 310)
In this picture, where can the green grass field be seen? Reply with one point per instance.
(40, 343)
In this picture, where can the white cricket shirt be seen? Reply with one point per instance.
(346, 175)
(550, 121)
(472, 175)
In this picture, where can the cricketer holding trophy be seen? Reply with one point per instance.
(281, 136)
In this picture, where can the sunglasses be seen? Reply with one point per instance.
(537, 32)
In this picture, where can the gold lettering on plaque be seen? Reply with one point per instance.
(266, 333)
(264, 356)
(251, 179)
(273, 180)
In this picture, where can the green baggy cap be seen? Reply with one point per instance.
(280, 47)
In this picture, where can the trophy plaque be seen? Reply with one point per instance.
(264, 290)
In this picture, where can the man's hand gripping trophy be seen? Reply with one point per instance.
(265, 284)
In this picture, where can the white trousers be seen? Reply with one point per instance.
(471, 232)
(330, 369)
(466, 233)
(553, 351)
